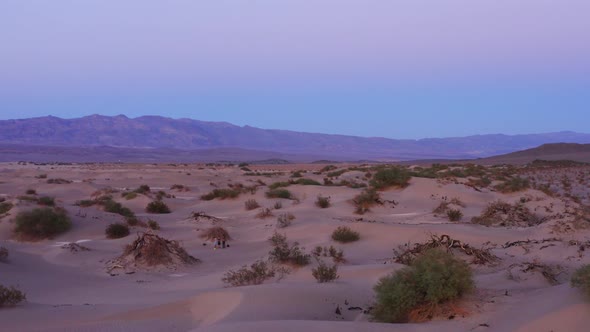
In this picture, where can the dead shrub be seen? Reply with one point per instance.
(216, 232)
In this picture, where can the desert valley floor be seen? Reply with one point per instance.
(523, 287)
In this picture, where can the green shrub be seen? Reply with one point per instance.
(157, 207)
(41, 223)
(116, 231)
(114, 207)
(282, 252)
(581, 279)
(454, 214)
(307, 182)
(322, 202)
(344, 234)
(415, 292)
(10, 296)
(279, 185)
(31, 192)
(143, 189)
(513, 185)
(5, 207)
(152, 224)
(130, 195)
(85, 203)
(390, 177)
(256, 274)
(46, 200)
(251, 204)
(324, 273)
(279, 193)
(221, 194)
(365, 200)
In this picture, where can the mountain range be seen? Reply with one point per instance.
(162, 138)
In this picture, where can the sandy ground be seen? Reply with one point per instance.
(72, 291)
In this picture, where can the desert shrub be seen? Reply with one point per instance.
(142, 189)
(3, 254)
(297, 174)
(41, 223)
(58, 181)
(85, 203)
(513, 185)
(157, 207)
(216, 232)
(10, 296)
(116, 231)
(251, 204)
(324, 273)
(41, 176)
(285, 219)
(179, 187)
(28, 198)
(256, 274)
(5, 207)
(264, 213)
(31, 192)
(365, 200)
(276, 185)
(152, 224)
(134, 222)
(502, 214)
(114, 207)
(322, 202)
(443, 207)
(221, 194)
(46, 200)
(282, 252)
(130, 195)
(328, 168)
(581, 279)
(336, 255)
(278, 205)
(390, 177)
(279, 193)
(454, 214)
(415, 293)
(344, 234)
(307, 182)
(336, 174)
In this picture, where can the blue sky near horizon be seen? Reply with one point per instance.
(399, 69)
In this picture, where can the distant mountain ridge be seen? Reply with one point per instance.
(155, 132)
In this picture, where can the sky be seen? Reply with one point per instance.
(390, 68)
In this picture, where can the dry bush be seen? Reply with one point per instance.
(41, 223)
(31, 192)
(58, 181)
(503, 214)
(264, 213)
(513, 185)
(284, 253)
(3, 254)
(10, 296)
(365, 200)
(285, 219)
(322, 202)
(337, 255)
(221, 194)
(116, 231)
(442, 208)
(46, 201)
(278, 205)
(454, 214)
(324, 273)
(256, 274)
(344, 234)
(415, 293)
(251, 204)
(216, 232)
(179, 187)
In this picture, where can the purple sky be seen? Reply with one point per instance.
(444, 67)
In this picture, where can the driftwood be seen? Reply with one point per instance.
(523, 242)
(202, 216)
(480, 256)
